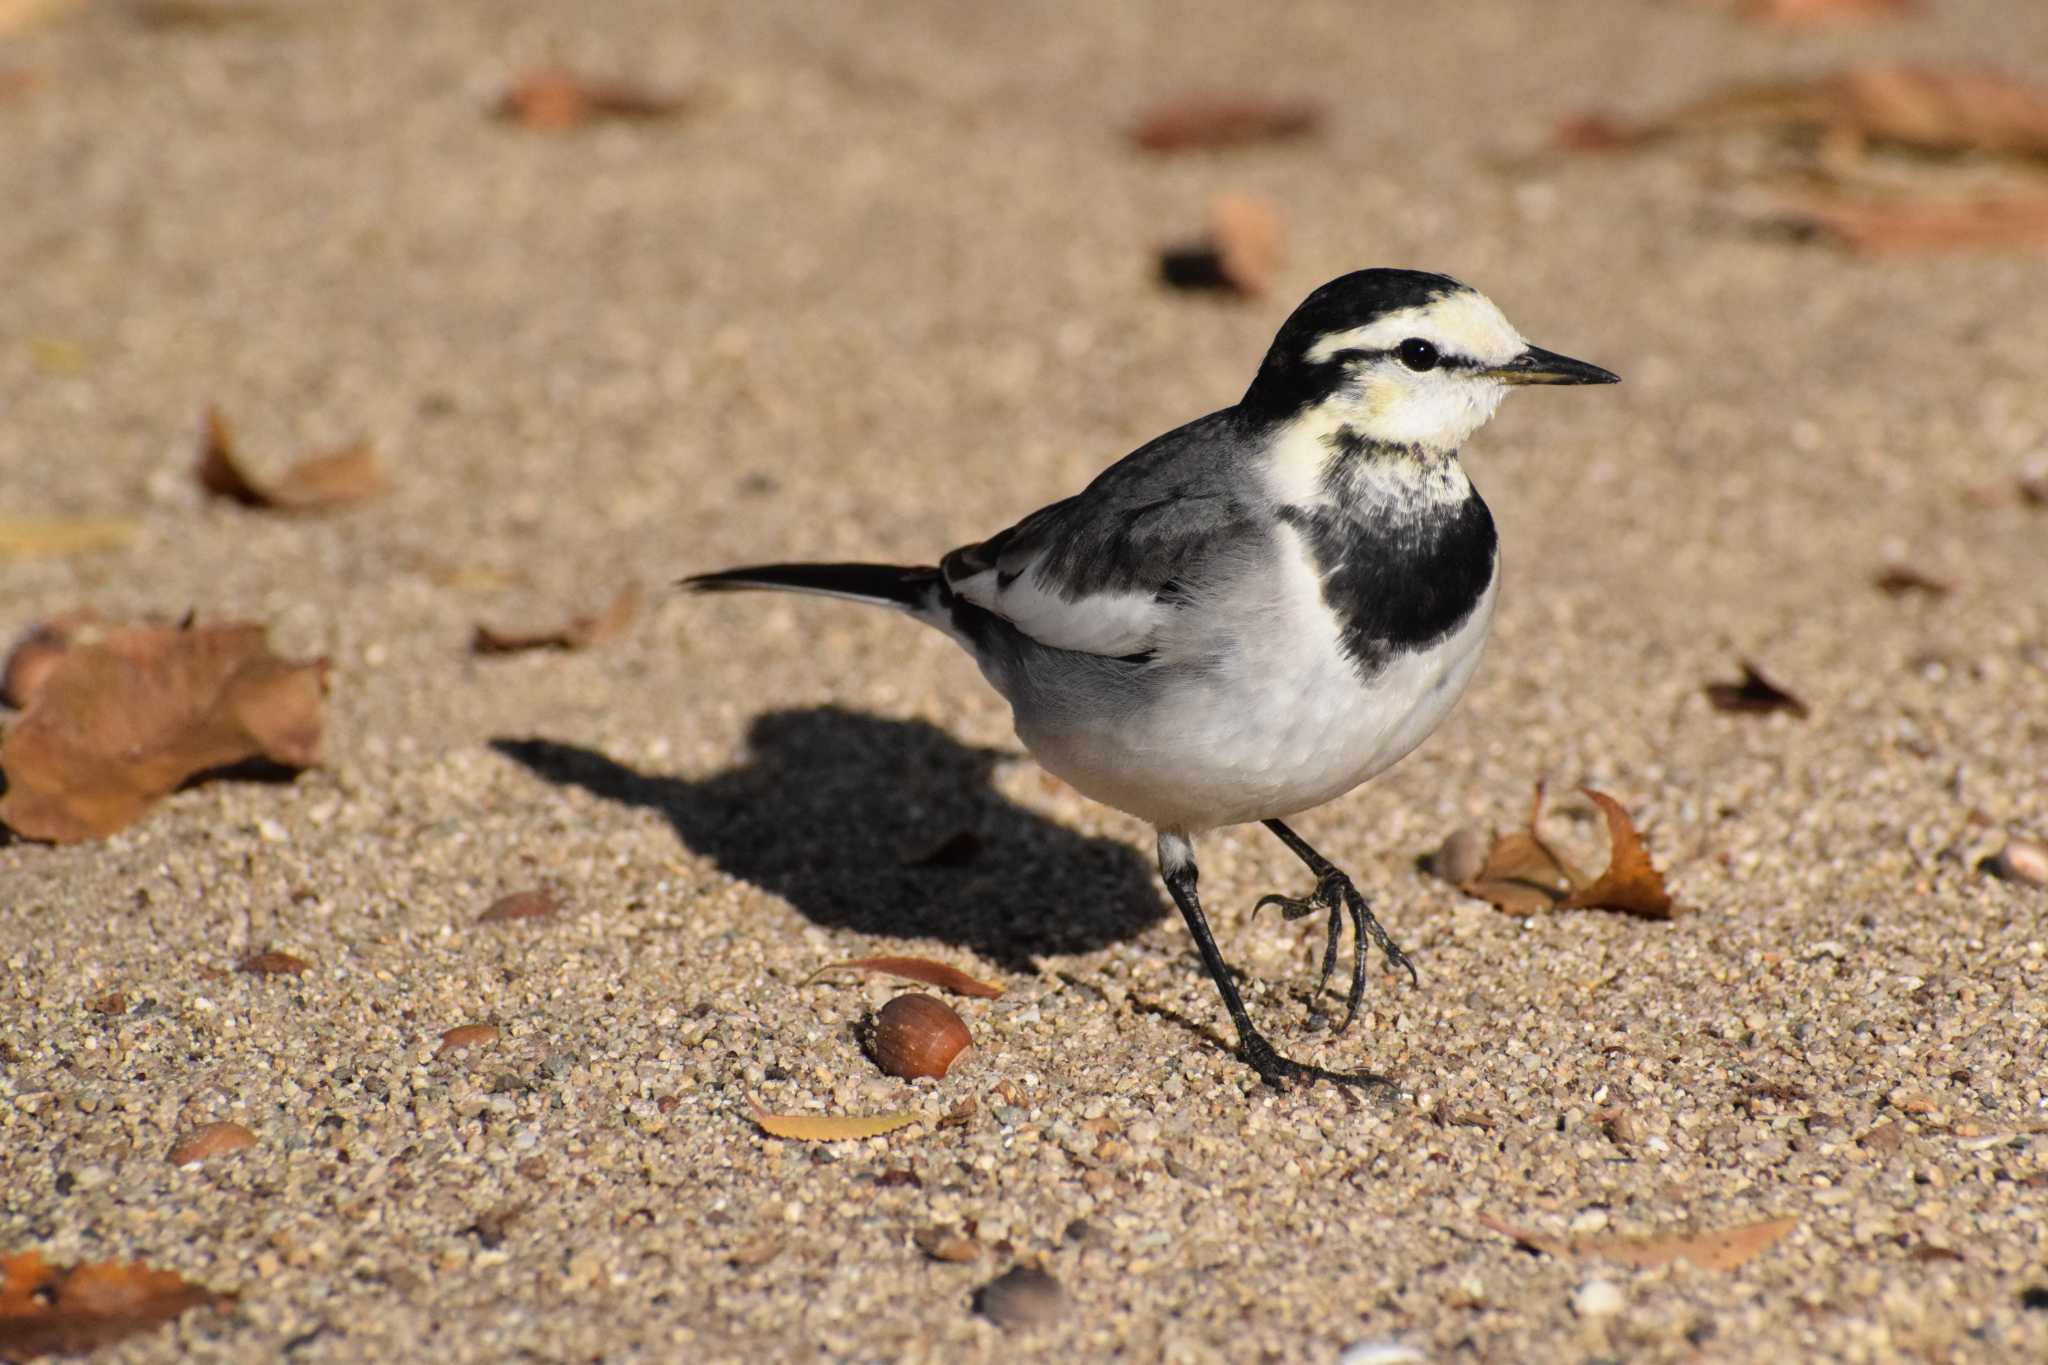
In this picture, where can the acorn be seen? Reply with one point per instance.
(917, 1035)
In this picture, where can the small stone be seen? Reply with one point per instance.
(1021, 1298)
(1598, 1299)
(536, 904)
(274, 964)
(211, 1140)
(467, 1035)
(1458, 859)
(2024, 861)
(945, 1244)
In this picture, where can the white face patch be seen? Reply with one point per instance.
(1438, 408)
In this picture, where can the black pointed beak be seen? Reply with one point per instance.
(1538, 366)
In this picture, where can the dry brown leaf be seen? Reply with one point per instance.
(467, 1035)
(1631, 884)
(55, 537)
(1755, 695)
(1720, 1249)
(319, 483)
(1880, 226)
(914, 969)
(211, 1140)
(115, 1003)
(1239, 251)
(123, 720)
(535, 904)
(273, 964)
(70, 1310)
(1896, 580)
(578, 632)
(1524, 875)
(551, 98)
(1797, 14)
(1521, 873)
(829, 1127)
(36, 654)
(1211, 118)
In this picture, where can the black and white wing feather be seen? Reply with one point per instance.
(1106, 571)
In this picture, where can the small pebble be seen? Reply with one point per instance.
(1020, 1298)
(2021, 860)
(1459, 858)
(1598, 1299)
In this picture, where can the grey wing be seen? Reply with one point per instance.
(1105, 571)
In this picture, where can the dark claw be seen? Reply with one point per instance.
(1284, 1073)
(1337, 897)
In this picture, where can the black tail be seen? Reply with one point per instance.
(916, 590)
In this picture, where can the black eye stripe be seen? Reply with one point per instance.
(1444, 360)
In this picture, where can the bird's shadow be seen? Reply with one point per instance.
(884, 827)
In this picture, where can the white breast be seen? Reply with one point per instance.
(1271, 720)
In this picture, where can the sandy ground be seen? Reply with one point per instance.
(888, 291)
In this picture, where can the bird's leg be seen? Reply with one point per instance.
(1336, 896)
(1177, 867)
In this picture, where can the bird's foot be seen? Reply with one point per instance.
(1336, 897)
(1284, 1073)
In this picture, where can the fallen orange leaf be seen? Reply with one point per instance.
(211, 1140)
(914, 969)
(1815, 13)
(1881, 226)
(1239, 252)
(123, 720)
(274, 964)
(551, 98)
(1209, 118)
(1631, 883)
(51, 1310)
(1721, 1249)
(578, 632)
(829, 1127)
(318, 483)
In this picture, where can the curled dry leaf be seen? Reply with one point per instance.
(1798, 14)
(829, 1127)
(1241, 248)
(1897, 580)
(552, 97)
(534, 904)
(921, 969)
(36, 654)
(1523, 875)
(274, 964)
(1890, 225)
(467, 1035)
(123, 720)
(1755, 695)
(1216, 118)
(54, 537)
(70, 1310)
(578, 632)
(1631, 884)
(1720, 1249)
(319, 483)
(211, 1140)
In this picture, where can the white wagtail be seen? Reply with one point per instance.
(1251, 615)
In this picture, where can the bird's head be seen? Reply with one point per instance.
(1401, 358)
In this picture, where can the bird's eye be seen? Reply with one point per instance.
(1418, 354)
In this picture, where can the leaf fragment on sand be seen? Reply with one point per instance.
(1719, 1249)
(273, 964)
(1245, 238)
(578, 632)
(535, 904)
(914, 969)
(70, 1310)
(319, 483)
(552, 98)
(1802, 14)
(1631, 883)
(1755, 695)
(1524, 875)
(123, 720)
(1897, 580)
(54, 537)
(1885, 226)
(829, 1127)
(211, 1140)
(1210, 118)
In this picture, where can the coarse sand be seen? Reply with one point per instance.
(887, 285)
